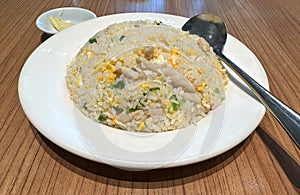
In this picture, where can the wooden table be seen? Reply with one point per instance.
(267, 162)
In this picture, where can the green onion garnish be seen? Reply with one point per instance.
(93, 40)
(120, 84)
(130, 110)
(154, 89)
(101, 118)
(174, 106)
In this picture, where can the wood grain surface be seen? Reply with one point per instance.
(267, 162)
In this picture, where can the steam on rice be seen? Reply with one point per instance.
(146, 76)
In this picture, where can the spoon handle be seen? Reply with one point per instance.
(288, 118)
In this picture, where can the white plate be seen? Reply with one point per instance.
(45, 100)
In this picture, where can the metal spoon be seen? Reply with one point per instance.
(213, 30)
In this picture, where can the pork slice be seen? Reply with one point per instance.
(152, 66)
(178, 80)
(149, 52)
(155, 111)
(192, 97)
(124, 117)
(141, 60)
(130, 74)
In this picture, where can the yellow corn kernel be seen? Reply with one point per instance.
(114, 103)
(87, 51)
(175, 51)
(192, 52)
(75, 72)
(79, 81)
(144, 85)
(220, 68)
(110, 68)
(205, 105)
(206, 100)
(139, 52)
(158, 59)
(201, 87)
(225, 77)
(113, 61)
(99, 67)
(173, 61)
(111, 77)
(155, 52)
(114, 120)
(141, 125)
(100, 78)
(90, 53)
(174, 55)
(167, 103)
(200, 71)
(165, 50)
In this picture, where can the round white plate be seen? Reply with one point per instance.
(44, 97)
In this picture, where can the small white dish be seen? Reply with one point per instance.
(74, 15)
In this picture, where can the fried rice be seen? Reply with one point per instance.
(146, 76)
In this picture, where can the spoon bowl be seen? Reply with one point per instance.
(214, 31)
(210, 27)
